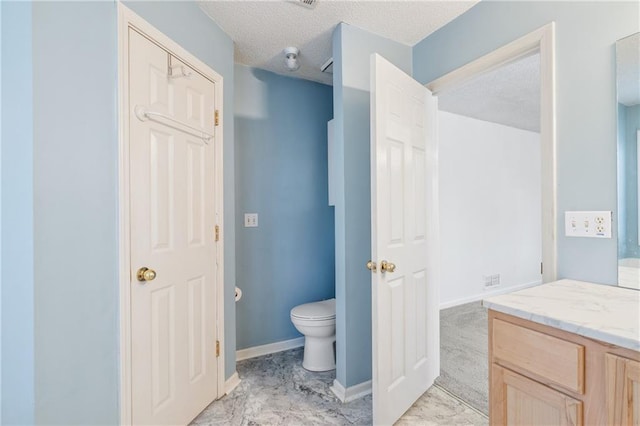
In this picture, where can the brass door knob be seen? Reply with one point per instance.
(387, 266)
(146, 274)
(371, 265)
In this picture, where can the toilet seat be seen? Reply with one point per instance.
(316, 311)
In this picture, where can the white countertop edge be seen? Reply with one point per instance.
(578, 329)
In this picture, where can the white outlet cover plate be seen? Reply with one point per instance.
(251, 220)
(589, 224)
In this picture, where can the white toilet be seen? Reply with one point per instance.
(317, 321)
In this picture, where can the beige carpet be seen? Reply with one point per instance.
(464, 370)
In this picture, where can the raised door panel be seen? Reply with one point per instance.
(197, 93)
(163, 348)
(623, 390)
(196, 197)
(196, 311)
(161, 189)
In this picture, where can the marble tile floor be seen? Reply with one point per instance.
(276, 390)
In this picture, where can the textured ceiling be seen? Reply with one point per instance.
(509, 95)
(628, 70)
(262, 29)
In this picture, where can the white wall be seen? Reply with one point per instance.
(489, 207)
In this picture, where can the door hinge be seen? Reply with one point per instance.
(541, 268)
(217, 348)
(217, 233)
(216, 118)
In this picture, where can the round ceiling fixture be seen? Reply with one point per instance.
(291, 58)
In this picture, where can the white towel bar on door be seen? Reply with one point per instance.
(143, 115)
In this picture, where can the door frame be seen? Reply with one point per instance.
(128, 19)
(542, 40)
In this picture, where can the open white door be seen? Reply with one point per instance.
(404, 240)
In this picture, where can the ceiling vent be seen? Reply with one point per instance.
(309, 4)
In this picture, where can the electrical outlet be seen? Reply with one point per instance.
(251, 220)
(487, 280)
(594, 224)
(495, 280)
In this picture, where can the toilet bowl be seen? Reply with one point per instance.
(317, 321)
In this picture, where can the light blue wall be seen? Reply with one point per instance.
(629, 124)
(0, 213)
(586, 102)
(17, 216)
(281, 174)
(186, 24)
(352, 49)
(75, 212)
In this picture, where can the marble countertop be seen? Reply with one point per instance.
(610, 314)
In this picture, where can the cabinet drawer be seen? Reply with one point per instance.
(551, 359)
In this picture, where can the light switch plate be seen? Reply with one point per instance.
(251, 220)
(590, 224)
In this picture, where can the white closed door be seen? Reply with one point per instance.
(172, 215)
(404, 231)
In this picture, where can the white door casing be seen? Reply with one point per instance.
(404, 231)
(174, 372)
(638, 177)
(541, 40)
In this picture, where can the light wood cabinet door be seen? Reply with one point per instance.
(623, 391)
(519, 401)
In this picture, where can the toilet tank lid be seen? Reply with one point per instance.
(324, 309)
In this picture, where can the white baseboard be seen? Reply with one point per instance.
(269, 349)
(488, 293)
(231, 383)
(352, 392)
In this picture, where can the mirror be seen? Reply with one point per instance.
(628, 136)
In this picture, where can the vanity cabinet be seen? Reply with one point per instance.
(540, 375)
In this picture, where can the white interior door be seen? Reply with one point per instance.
(173, 329)
(404, 241)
